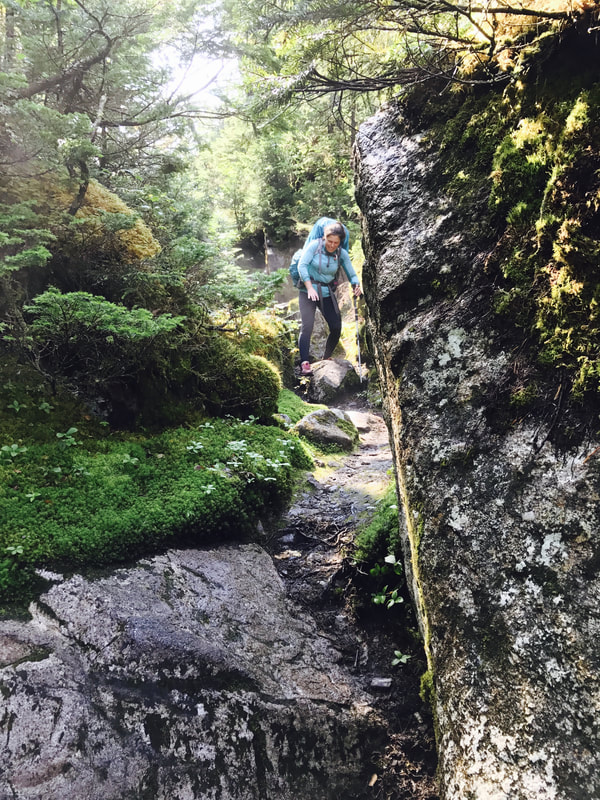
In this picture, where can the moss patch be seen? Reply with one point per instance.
(527, 159)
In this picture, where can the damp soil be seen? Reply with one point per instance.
(312, 551)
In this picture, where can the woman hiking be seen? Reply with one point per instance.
(317, 267)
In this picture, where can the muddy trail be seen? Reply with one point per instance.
(313, 554)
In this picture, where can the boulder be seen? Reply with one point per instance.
(186, 676)
(328, 427)
(332, 379)
(500, 527)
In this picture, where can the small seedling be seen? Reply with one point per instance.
(387, 597)
(12, 450)
(67, 439)
(194, 447)
(400, 658)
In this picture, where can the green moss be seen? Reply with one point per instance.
(531, 152)
(294, 407)
(381, 536)
(102, 501)
(427, 689)
(349, 429)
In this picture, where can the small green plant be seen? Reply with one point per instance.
(67, 439)
(16, 406)
(12, 450)
(45, 407)
(400, 658)
(387, 597)
(194, 447)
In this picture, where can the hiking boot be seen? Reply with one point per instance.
(305, 368)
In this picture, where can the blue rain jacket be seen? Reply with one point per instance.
(319, 266)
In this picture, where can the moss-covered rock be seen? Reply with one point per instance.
(481, 279)
(329, 428)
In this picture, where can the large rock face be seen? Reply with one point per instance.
(187, 676)
(502, 531)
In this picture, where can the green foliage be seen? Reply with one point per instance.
(22, 240)
(388, 596)
(234, 293)
(60, 318)
(291, 171)
(400, 658)
(86, 339)
(115, 498)
(382, 536)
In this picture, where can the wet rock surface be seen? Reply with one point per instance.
(311, 553)
(189, 675)
(230, 672)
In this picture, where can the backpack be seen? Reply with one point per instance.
(294, 274)
(318, 229)
(317, 232)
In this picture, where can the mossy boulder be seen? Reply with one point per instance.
(239, 384)
(332, 379)
(329, 428)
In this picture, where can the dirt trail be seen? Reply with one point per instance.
(311, 552)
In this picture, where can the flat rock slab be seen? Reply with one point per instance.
(189, 675)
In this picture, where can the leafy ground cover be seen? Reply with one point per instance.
(80, 494)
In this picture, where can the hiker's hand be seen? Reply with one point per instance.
(357, 290)
(312, 293)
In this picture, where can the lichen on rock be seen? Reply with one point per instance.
(500, 519)
(189, 675)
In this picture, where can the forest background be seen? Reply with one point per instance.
(141, 365)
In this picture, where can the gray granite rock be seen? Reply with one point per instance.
(329, 427)
(332, 379)
(189, 675)
(501, 530)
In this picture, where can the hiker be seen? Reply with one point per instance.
(317, 267)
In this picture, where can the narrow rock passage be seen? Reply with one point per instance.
(312, 555)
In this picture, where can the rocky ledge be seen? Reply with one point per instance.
(188, 675)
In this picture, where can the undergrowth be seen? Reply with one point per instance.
(381, 537)
(75, 494)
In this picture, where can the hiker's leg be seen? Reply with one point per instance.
(307, 315)
(334, 321)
